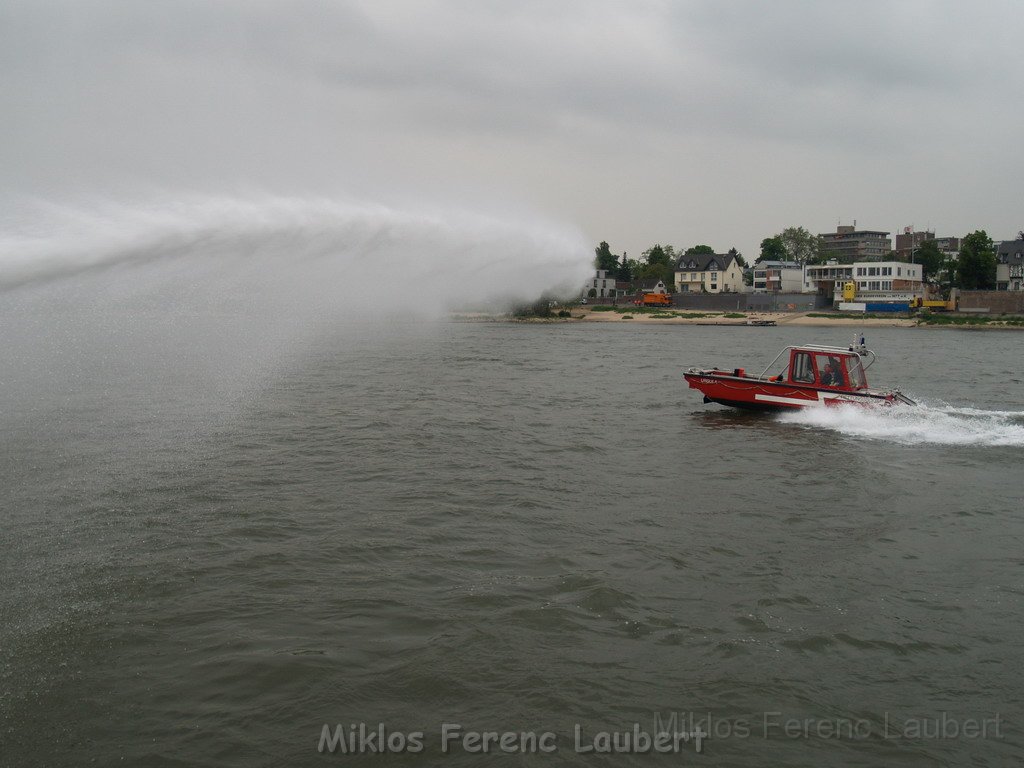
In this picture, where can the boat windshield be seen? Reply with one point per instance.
(830, 371)
(856, 371)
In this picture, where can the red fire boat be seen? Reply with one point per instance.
(813, 376)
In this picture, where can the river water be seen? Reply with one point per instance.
(439, 529)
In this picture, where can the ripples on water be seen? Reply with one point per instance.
(511, 527)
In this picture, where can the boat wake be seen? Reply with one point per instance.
(918, 425)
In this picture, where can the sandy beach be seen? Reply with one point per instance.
(586, 314)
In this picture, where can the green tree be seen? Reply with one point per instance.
(625, 271)
(604, 258)
(656, 255)
(976, 267)
(772, 249)
(931, 259)
(633, 266)
(699, 250)
(659, 264)
(800, 245)
(739, 258)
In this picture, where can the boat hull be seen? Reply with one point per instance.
(761, 394)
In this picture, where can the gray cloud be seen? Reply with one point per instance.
(650, 121)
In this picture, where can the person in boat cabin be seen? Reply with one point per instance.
(837, 369)
(832, 376)
(828, 376)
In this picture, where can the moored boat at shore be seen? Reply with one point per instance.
(814, 376)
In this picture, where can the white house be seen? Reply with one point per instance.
(708, 273)
(602, 285)
(651, 285)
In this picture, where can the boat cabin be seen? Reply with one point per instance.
(832, 367)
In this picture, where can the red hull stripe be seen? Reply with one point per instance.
(733, 389)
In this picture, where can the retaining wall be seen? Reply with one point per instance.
(996, 302)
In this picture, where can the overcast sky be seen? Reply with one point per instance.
(636, 122)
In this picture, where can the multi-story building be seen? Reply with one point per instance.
(708, 273)
(849, 244)
(883, 276)
(827, 277)
(909, 242)
(809, 285)
(778, 277)
(949, 246)
(874, 280)
(1010, 265)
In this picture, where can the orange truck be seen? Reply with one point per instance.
(655, 300)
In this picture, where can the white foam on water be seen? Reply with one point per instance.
(917, 425)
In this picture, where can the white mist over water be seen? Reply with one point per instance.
(917, 425)
(432, 259)
(214, 295)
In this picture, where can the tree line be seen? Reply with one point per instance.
(656, 263)
(975, 269)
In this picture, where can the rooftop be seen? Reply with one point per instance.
(700, 262)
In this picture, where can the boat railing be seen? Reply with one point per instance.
(769, 366)
(860, 350)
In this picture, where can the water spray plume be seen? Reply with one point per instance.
(337, 251)
(225, 292)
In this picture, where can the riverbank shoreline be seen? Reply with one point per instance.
(585, 314)
(714, 318)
